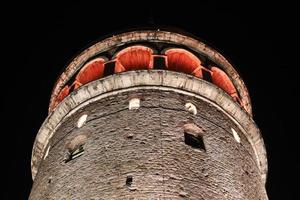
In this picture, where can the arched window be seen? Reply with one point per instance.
(91, 71)
(193, 136)
(181, 60)
(63, 93)
(134, 58)
(220, 79)
(75, 147)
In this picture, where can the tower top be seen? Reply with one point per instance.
(155, 43)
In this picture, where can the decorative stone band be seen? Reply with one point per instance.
(154, 79)
(150, 36)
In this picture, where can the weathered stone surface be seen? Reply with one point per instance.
(157, 80)
(147, 145)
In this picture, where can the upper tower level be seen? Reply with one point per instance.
(151, 50)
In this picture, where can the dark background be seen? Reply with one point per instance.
(39, 39)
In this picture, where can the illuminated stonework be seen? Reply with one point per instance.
(149, 115)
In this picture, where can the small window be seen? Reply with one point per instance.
(134, 104)
(81, 121)
(129, 181)
(75, 147)
(47, 152)
(193, 136)
(191, 108)
(236, 135)
(75, 154)
(195, 141)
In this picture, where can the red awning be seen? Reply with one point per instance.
(134, 58)
(91, 71)
(221, 79)
(63, 93)
(181, 60)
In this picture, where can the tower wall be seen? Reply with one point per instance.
(142, 153)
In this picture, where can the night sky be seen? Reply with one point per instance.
(39, 40)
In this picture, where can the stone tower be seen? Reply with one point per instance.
(149, 114)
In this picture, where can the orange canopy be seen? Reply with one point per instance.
(220, 79)
(91, 71)
(134, 58)
(181, 60)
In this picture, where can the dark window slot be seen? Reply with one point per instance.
(206, 76)
(109, 68)
(75, 154)
(129, 181)
(194, 141)
(159, 63)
